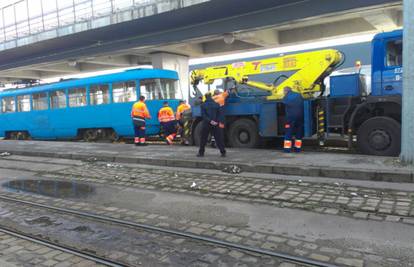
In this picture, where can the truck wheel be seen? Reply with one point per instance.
(197, 134)
(243, 133)
(380, 136)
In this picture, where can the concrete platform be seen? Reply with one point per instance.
(317, 164)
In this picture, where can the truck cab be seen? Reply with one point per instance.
(387, 64)
(374, 119)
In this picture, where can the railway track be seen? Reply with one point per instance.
(138, 226)
(41, 241)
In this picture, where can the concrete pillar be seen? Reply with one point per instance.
(179, 63)
(407, 147)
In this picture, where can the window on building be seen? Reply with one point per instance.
(23, 103)
(58, 99)
(154, 89)
(40, 101)
(124, 92)
(77, 97)
(8, 105)
(394, 53)
(99, 94)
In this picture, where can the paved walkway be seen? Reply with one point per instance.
(337, 165)
(344, 224)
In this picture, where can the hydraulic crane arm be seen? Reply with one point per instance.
(310, 70)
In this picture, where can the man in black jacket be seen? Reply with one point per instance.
(210, 112)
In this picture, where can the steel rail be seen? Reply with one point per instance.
(66, 249)
(281, 255)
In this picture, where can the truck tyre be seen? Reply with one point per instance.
(380, 136)
(197, 134)
(243, 133)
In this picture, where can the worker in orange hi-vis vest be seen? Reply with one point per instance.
(220, 97)
(182, 106)
(138, 114)
(168, 123)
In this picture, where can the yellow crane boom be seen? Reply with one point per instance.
(310, 69)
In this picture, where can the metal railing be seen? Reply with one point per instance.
(30, 17)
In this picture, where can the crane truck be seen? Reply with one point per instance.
(372, 119)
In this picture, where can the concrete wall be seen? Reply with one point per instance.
(407, 145)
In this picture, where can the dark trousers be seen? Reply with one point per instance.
(139, 127)
(218, 136)
(169, 127)
(139, 131)
(294, 128)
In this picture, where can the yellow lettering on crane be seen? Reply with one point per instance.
(289, 62)
(268, 68)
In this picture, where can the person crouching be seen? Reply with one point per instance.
(168, 123)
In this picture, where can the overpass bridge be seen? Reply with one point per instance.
(42, 39)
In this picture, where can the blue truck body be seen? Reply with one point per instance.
(349, 110)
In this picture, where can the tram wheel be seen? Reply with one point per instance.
(19, 135)
(90, 135)
(112, 135)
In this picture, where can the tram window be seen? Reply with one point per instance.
(77, 97)
(124, 92)
(99, 94)
(8, 105)
(23, 103)
(154, 89)
(39, 101)
(57, 99)
(394, 53)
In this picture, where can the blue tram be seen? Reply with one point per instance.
(89, 108)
